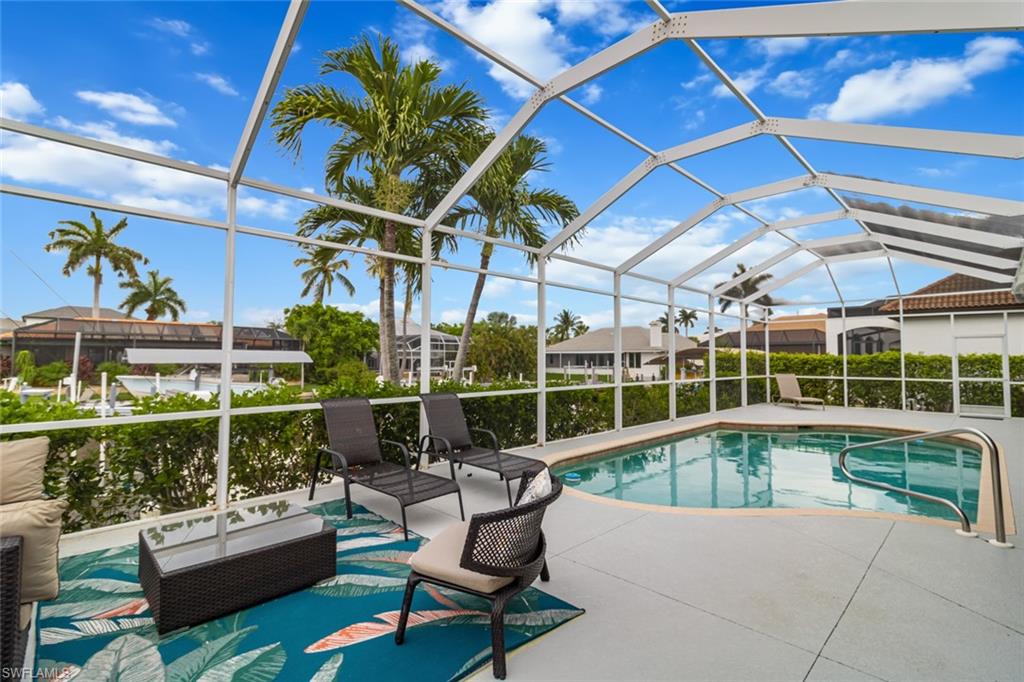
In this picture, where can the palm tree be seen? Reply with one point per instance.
(156, 294)
(502, 204)
(686, 318)
(93, 245)
(323, 267)
(744, 289)
(404, 121)
(567, 325)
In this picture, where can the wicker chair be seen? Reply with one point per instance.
(354, 455)
(450, 438)
(496, 555)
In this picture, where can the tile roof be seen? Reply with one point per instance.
(963, 293)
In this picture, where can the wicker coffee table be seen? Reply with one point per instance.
(196, 570)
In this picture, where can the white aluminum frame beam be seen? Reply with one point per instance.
(782, 281)
(753, 236)
(275, 65)
(955, 267)
(922, 195)
(759, 192)
(946, 251)
(994, 239)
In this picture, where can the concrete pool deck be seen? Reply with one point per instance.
(794, 597)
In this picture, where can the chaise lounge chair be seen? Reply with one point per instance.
(789, 392)
(496, 555)
(449, 438)
(355, 455)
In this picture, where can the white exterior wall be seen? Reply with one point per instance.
(933, 335)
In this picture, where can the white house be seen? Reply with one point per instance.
(593, 353)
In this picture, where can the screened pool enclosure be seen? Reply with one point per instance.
(980, 237)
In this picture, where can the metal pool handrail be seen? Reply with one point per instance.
(965, 524)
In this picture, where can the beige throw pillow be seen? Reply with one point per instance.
(21, 469)
(38, 523)
(540, 486)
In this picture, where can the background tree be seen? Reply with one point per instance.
(403, 122)
(331, 336)
(323, 266)
(567, 325)
(744, 289)
(92, 245)
(686, 319)
(155, 295)
(502, 204)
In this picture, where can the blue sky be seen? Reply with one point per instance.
(178, 79)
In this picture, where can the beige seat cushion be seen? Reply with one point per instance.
(440, 559)
(21, 469)
(25, 615)
(38, 523)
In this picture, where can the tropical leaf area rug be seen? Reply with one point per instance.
(100, 628)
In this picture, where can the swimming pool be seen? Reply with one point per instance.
(794, 469)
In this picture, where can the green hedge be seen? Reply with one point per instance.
(171, 466)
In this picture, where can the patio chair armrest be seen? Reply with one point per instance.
(400, 446)
(11, 640)
(444, 441)
(494, 438)
(335, 457)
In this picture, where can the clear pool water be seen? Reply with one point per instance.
(783, 469)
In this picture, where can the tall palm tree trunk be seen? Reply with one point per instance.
(97, 279)
(388, 345)
(474, 303)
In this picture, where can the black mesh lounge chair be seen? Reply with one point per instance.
(496, 555)
(450, 438)
(354, 454)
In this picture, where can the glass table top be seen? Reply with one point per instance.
(193, 542)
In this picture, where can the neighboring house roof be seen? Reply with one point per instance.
(634, 340)
(962, 292)
(814, 322)
(126, 330)
(410, 328)
(7, 324)
(70, 312)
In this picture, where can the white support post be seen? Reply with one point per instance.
(1007, 411)
(744, 314)
(425, 315)
(227, 333)
(542, 372)
(954, 357)
(903, 360)
(617, 346)
(846, 372)
(767, 359)
(672, 355)
(711, 368)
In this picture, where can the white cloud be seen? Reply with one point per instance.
(904, 86)
(370, 309)
(591, 93)
(259, 317)
(797, 84)
(747, 81)
(695, 120)
(516, 30)
(698, 80)
(607, 18)
(852, 58)
(780, 47)
(218, 83)
(106, 131)
(199, 47)
(279, 209)
(17, 102)
(127, 107)
(176, 27)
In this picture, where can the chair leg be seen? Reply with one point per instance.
(498, 638)
(405, 524)
(545, 576)
(451, 467)
(403, 619)
(316, 474)
(348, 500)
(508, 489)
(462, 511)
